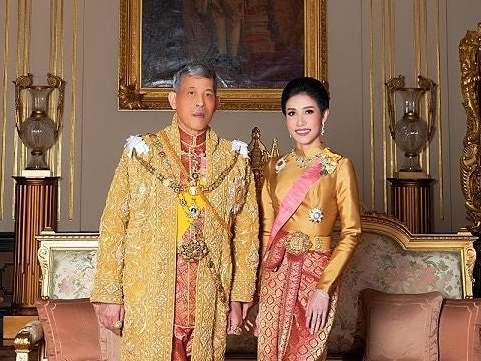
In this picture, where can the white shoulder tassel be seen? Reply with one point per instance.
(241, 148)
(137, 143)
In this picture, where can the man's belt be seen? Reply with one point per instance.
(298, 243)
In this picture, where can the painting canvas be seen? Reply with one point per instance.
(250, 44)
(255, 47)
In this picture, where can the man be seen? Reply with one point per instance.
(179, 243)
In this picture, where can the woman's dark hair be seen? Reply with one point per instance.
(306, 85)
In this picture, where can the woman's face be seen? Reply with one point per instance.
(304, 120)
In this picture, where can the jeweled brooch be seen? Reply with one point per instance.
(316, 215)
(280, 164)
(193, 211)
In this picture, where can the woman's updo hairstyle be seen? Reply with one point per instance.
(306, 85)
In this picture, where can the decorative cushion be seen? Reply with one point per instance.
(401, 326)
(459, 330)
(71, 329)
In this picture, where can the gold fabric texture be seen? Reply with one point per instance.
(335, 194)
(137, 251)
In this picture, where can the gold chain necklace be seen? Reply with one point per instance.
(192, 146)
(169, 182)
(194, 160)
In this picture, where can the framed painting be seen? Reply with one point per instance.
(255, 47)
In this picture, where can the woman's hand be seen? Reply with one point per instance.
(252, 326)
(235, 319)
(249, 326)
(111, 316)
(317, 309)
(246, 306)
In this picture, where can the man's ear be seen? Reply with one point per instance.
(171, 98)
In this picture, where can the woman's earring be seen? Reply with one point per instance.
(290, 136)
(323, 128)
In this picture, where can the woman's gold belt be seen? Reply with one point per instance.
(298, 243)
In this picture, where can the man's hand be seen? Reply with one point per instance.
(316, 314)
(235, 319)
(252, 327)
(111, 316)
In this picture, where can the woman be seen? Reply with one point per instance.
(304, 192)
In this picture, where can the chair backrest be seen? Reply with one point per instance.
(68, 262)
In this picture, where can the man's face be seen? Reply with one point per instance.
(194, 103)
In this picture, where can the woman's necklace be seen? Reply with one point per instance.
(303, 161)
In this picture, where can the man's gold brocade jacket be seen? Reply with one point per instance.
(137, 251)
(334, 195)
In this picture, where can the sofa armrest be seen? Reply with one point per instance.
(26, 339)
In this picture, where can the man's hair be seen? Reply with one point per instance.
(306, 85)
(195, 69)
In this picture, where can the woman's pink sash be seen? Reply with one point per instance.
(293, 199)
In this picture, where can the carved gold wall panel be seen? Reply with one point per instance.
(470, 163)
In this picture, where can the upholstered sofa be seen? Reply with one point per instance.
(388, 259)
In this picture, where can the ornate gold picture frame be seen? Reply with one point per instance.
(133, 94)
